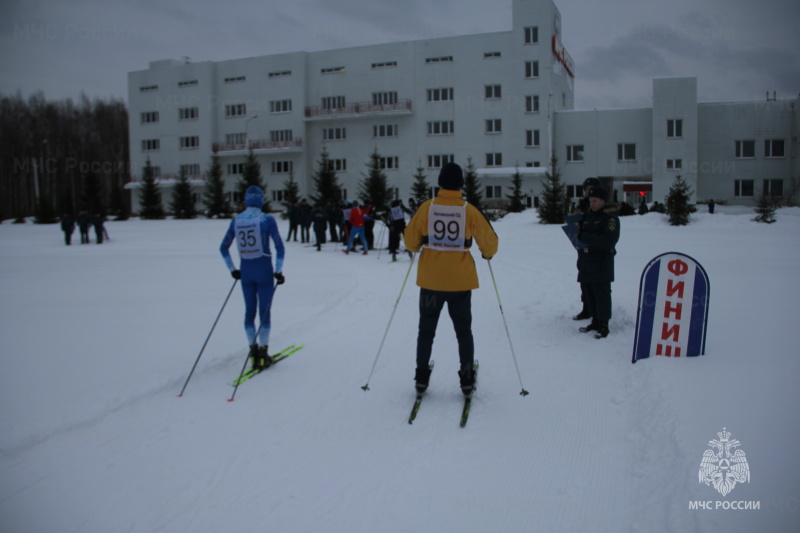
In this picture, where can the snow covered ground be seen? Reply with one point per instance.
(98, 340)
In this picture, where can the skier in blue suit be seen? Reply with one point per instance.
(252, 230)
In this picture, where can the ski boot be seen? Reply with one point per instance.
(467, 377)
(422, 378)
(261, 361)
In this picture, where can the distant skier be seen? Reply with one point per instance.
(397, 225)
(445, 227)
(252, 230)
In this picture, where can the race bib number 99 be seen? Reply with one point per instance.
(447, 227)
(248, 238)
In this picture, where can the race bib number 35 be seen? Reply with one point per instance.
(447, 227)
(248, 238)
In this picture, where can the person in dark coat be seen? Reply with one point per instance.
(99, 230)
(397, 225)
(583, 208)
(320, 220)
(643, 210)
(84, 221)
(711, 205)
(599, 231)
(67, 226)
(294, 221)
(305, 221)
(333, 214)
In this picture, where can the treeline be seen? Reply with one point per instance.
(62, 157)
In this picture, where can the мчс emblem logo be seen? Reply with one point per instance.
(725, 467)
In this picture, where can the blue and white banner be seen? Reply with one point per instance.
(673, 308)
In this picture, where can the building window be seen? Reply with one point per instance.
(492, 91)
(438, 59)
(150, 117)
(188, 113)
(494, 125)
(532, 138)
(532, 104)
(148, 88)
(773, 148)
(626, 152)
(190, 170)
(277, 136)
(531, 34)
(332, 70)
(531, 69)
(334, 134)
(745, 149)
(743, 188)
(490, 55)
(156, 170)
(773, 188)
(151, 145)
(494, 160)
(385, 64)
(574, 191)
(384, 130)
(440, 95)
(444, 127)
(279, 74)
(337, 164)
(187, 83)
(574, 153)
(280, 106)
(675, 128)
(392, 162)
(235, 79)
(384, 98)
(281, 167)
(235, 110)
(235, 138)
(438, 161)
(674, 164)
(277, 196)
(235, 168)
(190, 142)
(333, 102)
(494, 191)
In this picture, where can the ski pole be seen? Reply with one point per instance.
(375, 362)
(209, 336)
(523, 392)
(255, 342)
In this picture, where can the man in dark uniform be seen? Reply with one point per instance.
(600, 233)
(582, 209)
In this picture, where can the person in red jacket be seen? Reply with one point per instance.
(357, 222)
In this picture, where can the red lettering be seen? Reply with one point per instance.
(673, 288)
(666, 350)
(678, 267)
(678, 309)
(667, 331)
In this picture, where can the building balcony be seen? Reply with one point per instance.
(358, 110)
(259, 146)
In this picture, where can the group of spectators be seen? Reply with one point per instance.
(84, 221)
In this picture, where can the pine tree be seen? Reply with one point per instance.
(553, 202)
(472, 188)
(45, 212)
(91, 195)
(251, 175)
(374, 190)
(516, 205)
(765, 207)
(420, 189)
(325, 182)
(150, 195)
(291, 192)
(679, 209)
(215, 202)
(182, 204)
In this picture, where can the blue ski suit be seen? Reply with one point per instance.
(252, 231)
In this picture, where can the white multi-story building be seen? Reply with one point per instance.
(503, 100)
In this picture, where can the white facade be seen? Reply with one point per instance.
(730, 152)
(503, 99)
(419, 103)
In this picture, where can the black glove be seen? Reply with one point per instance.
(235, 274)
(279, 277)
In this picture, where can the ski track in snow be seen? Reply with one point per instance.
(598, 445)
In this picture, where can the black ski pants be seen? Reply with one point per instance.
(459, 306)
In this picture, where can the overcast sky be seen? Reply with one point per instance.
(738, 49)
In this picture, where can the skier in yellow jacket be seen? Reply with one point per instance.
(445, 228)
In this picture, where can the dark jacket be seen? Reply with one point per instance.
(600, 233)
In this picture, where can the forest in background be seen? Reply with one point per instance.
(62, 157)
